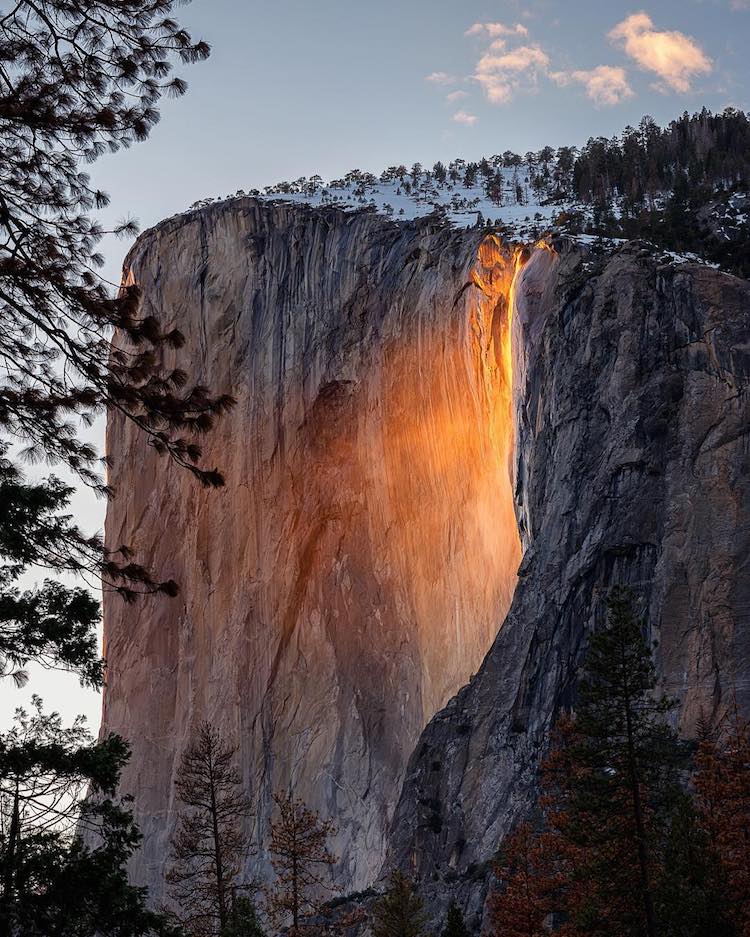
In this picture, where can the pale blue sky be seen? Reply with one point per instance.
(294, 88)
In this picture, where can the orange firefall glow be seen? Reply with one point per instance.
(501, 268)
(440, 491)
(545, 246)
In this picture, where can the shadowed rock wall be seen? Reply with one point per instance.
(632, 466)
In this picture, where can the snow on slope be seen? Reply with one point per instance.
(523, 196)
(406, 195)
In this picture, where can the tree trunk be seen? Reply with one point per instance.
(295, 895)
(9, 868)
(220, 884)
(640, 825)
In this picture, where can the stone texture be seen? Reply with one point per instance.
(632, 466)
(354, 571)
(357, 566)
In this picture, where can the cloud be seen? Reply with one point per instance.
(738, 5)
(462, 117)
(496, 29)
(605, 84)
(440, 78)
(502, 76)
(456, 96)
(673, 56)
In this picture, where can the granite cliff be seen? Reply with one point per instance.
(632, 466)
(393, 454)
(353, 572)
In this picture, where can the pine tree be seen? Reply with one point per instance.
(400, 912)
(56, 785)
(455, 925)
(627, 758)
(300, 858)
(243, 919)
(691, 898)
(208, 844)
(76, 80)
(63, 70)
(629, 852)
(722, 785)
(624, 851)
(52, 625)
(525, 899)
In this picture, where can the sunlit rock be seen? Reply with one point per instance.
(417, 407)
(355, 569)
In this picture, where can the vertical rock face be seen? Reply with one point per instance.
(355, 569)
(381, 464)
(632, 466)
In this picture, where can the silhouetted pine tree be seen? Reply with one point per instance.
(209, 842)
(400, 911)
(455, 925)
(63, 74)
(76, 80)
(58, 785)
(625, 846)
(52, 625)
(626, 759)
(300, 858)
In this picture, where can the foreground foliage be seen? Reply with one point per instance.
(63, 854)
(625, 846)
(76, 80)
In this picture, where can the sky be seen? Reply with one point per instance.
(296, 87)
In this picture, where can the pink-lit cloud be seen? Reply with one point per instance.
(502, 74)
(606, 85)
(441, 78)
(456, 96)
(673, 56)
(463, 117)
(493, 30)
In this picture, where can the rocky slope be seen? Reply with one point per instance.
(355, 569)
(632, 466)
